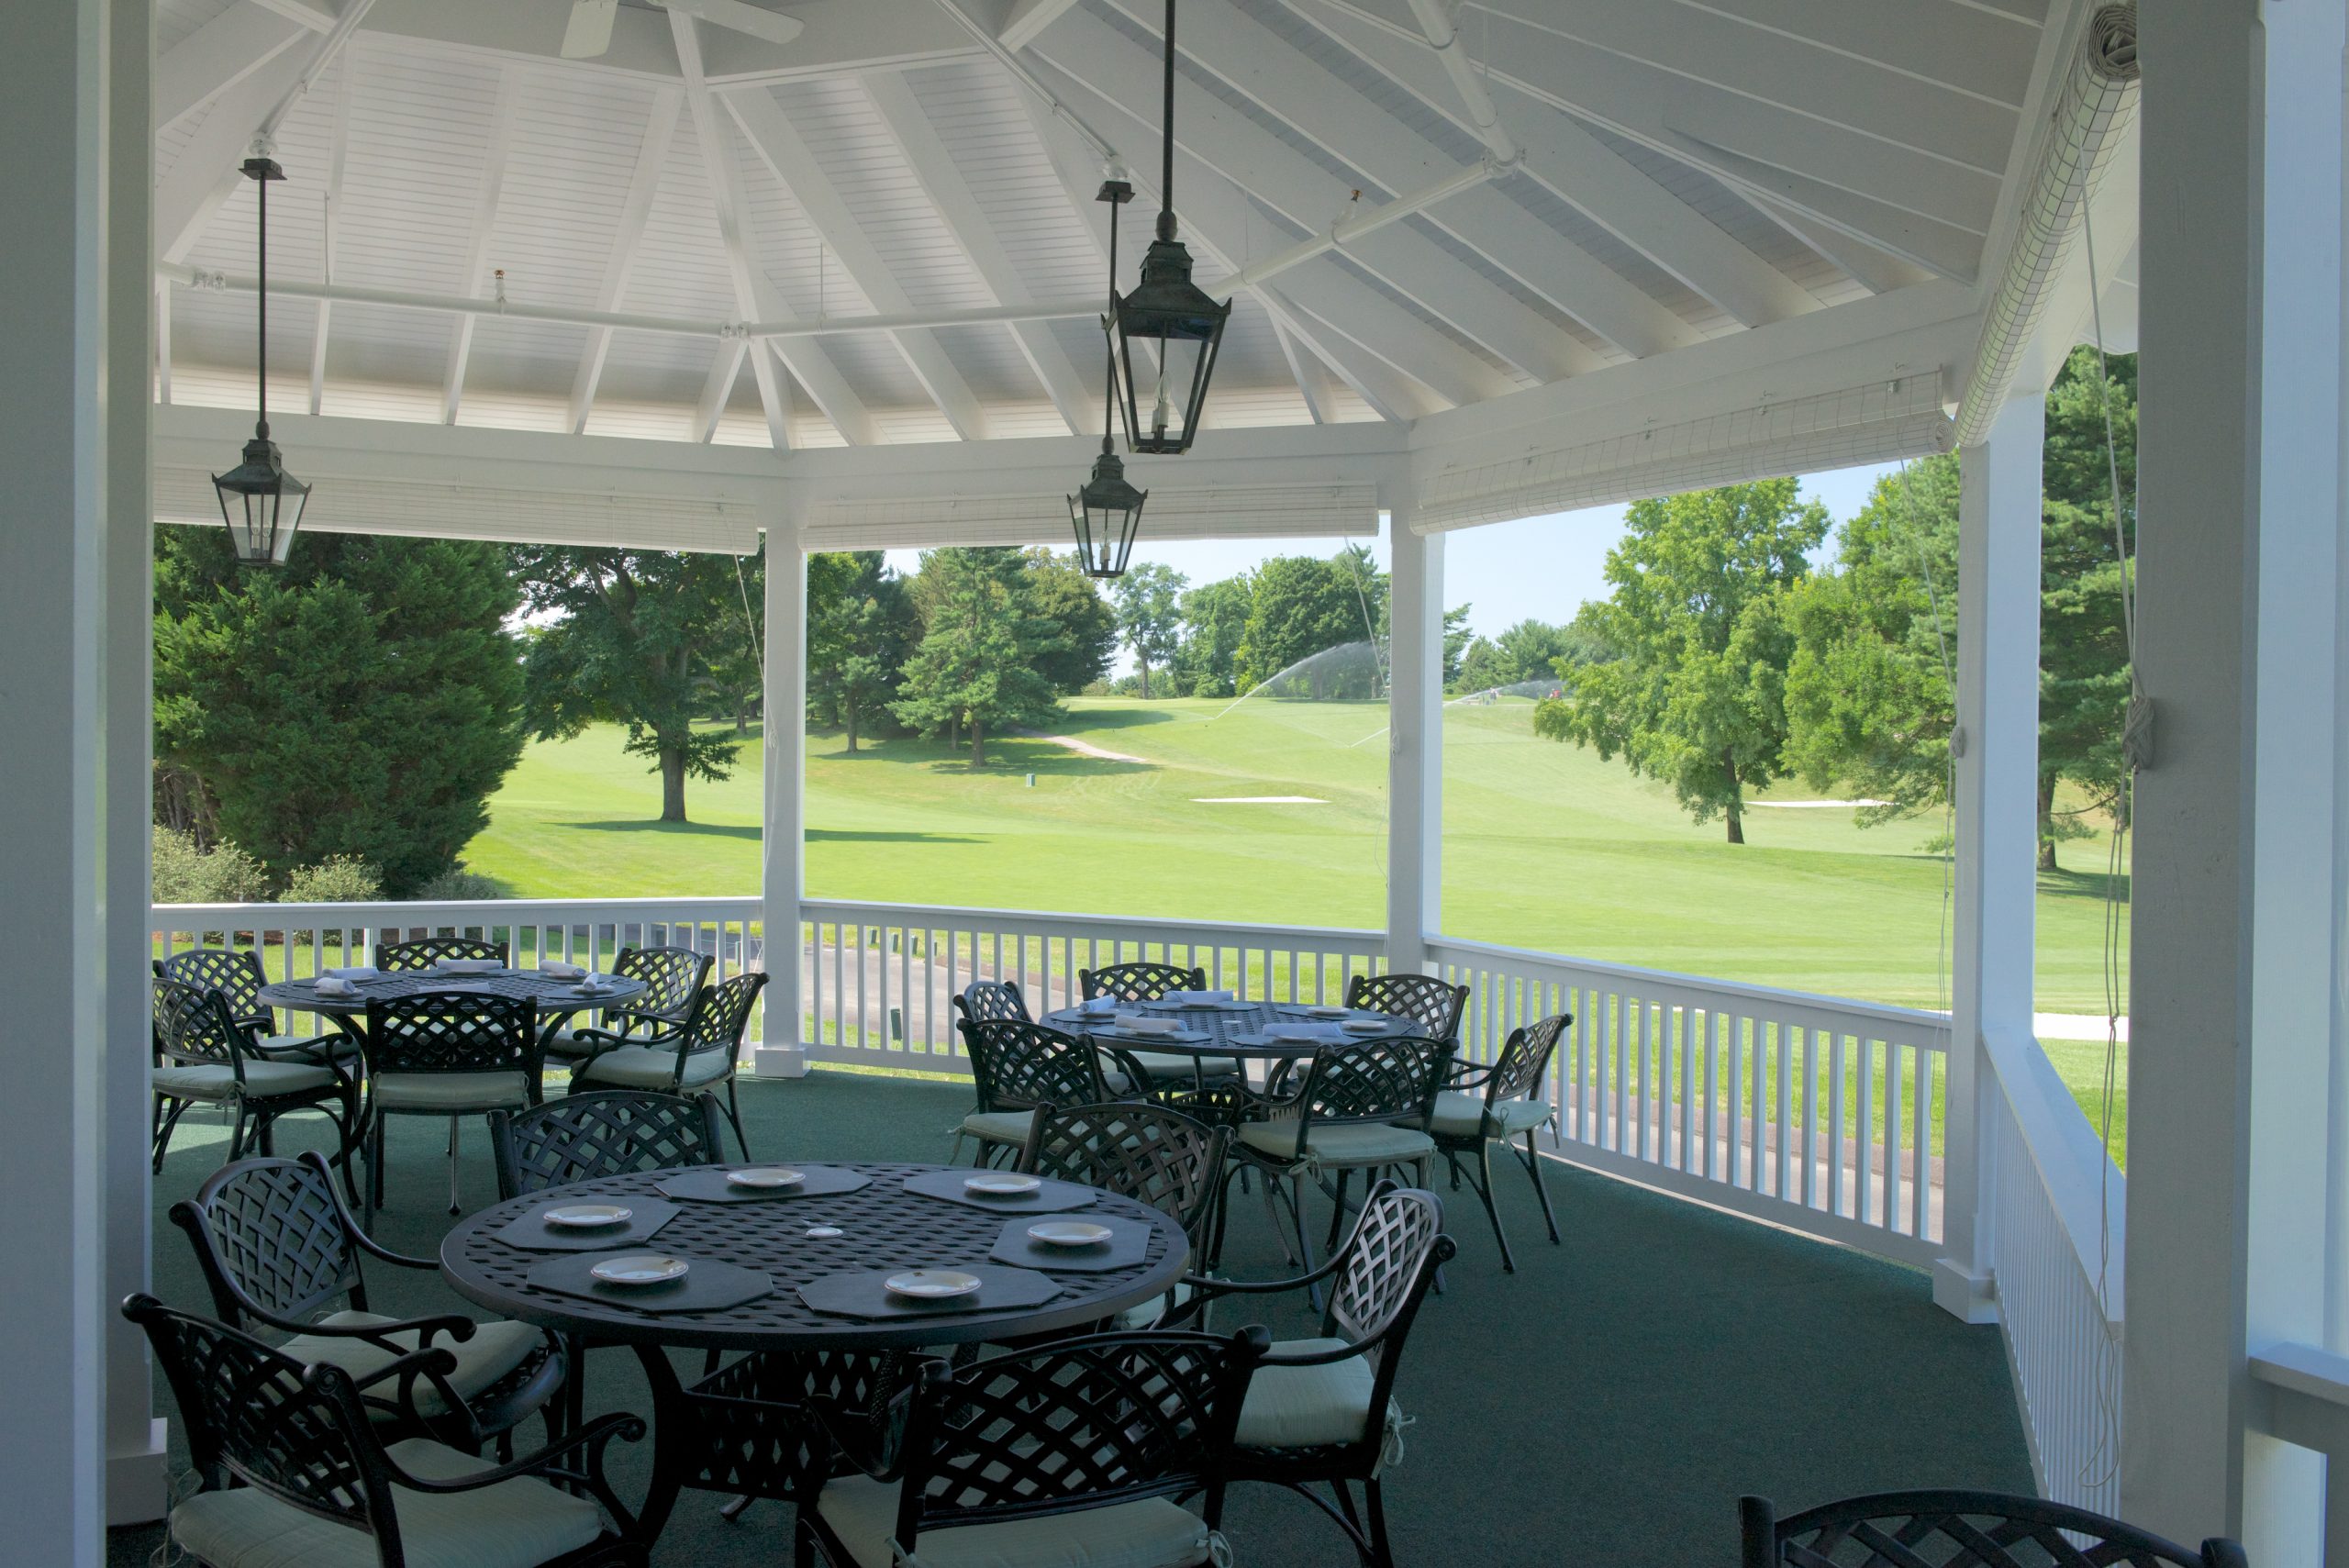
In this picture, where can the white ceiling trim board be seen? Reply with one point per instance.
(494, 153)
(636, 211)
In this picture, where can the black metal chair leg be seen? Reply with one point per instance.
(1483, 1186)
(165, 1124)
(456, 1205)
(1381, 1554)
(236, 1138)
(734, 1114)
(1541, 1188)
(1304, 1243)
(1337, 1212)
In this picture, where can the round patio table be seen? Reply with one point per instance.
(1234, 1030)
(882, 1226)
(558, 1000)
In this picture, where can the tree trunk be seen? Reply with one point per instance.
(2046, 822)
(673, 783)
(1144, 665)
(848, 722)
(1735, 813)
(955, 732)
(978, 744)
(742, 719)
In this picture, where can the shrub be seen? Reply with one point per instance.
(187, 873)
(337, 879)
(457, 884)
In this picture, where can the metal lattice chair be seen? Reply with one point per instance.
(1016, 1066)
(1160, 1157)
(293, 1471)
(203, 1057)
(984, 1001)
(236, 974)
(705, 1052)
(1958, 1530)
(1149, 981)
(1071, 1451)
(673, 978)
(1435, 1004)
(1484, 1106)
(611, 1132)
(1359, 1106)
(280, 1251)
(425, 951)
(448, 1053)
(1322, 1409)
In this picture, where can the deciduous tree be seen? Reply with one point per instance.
(1149, 614)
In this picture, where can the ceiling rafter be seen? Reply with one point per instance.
(1029, 17)
(754, 296)
(1291, 87)
(1878, 270)
(777, 143)
(205, 174)
(217, 56)
(636, 213)
(926, 153)
(1583, 171)
(494, 154)
(1312, 375)
(718, 390)
(330, 237)
(1400, 365)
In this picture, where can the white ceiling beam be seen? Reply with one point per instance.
(1029, 17)
(330, 237)
(777, 144)
(1966, 49)
(317, 18)
(1312, 375)
(485, 228)
(1291, 87)
(1400, 365)
(725, 370)
(636, 211)
(926, 153)
(754, 296)
(1880, 271)
(1587, 173)
(205, 175)
(217, 56)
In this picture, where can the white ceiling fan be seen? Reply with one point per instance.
(589, 32)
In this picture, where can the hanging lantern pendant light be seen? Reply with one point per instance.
(260, 503)
(1179, 327)
(1106, 512)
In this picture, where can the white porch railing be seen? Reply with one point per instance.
(2050, 1182)
(1813, 1112)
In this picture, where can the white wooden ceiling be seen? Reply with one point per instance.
(1692, 170)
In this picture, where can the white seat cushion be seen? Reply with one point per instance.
(1346, 1143)
(513, 1524)
(1305, 1406)
(1154, 1533)
(1174, 1064)
(999, 1127)
(1459, 1115)
(654, 1067)
(1147, 1315)
(497, 1348)
(262, 1080)
(450, 1091)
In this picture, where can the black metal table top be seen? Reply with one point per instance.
(1220, 1025)
(551, 992)
(882, 1226)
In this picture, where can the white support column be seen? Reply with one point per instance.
(137, 1486)
(1997, 813)
(54, 116)
(1415, 742)
(2235, 948)
(785, 857)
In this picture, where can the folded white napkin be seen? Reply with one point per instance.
(334, 986)
(468, 965)
(1098, 1006)
(590, 981)
(357, 971)
(1144, 1023)
(1197, 997)
(1365, 1026)
(561, 970)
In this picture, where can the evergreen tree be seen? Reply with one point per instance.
(1073, 637)
(360, 702)
(631, 638)
(860, 628)
(1696, 696)
(1298, 607)
(1150, 616)
(1214, 618)
(977, 666)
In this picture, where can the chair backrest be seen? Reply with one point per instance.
(989, 1001)
(299, 1434)
(610, 1132)
(1523, 1069)
(1159, 1157)
(1387, 1078)
(235, 973)
(271, 1236)
(722, 1013)
(452, 1031)
(193, 1025)
(1435, 1004)
(1065, 1428)
(1388, 1263)
(1141, 982)
(422, 953)
(1978, 1530)
(674, 977)
(1018, 1066)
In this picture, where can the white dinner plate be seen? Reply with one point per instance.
(587, 1216)
(824, 1232)
(1070, 1234)
(1365, 1026)
(1293, 1034)
(639, 1268)
(1318, 1012)
(1000, 1185)
(766, 1176)
(932, 1285)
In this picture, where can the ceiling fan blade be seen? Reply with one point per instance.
(589, 31)
(737, 16)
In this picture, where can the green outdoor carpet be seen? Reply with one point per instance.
(1607, 1403)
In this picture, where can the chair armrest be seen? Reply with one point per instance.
(456, 1325)
(1467, 1074)
(592, 1438)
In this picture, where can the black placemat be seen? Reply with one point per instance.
(1128, 1242)
(1052, 1197)
(709, 1286)
(861, 1295)
(1234, 1005)
(646, 1216)
(711, 1186)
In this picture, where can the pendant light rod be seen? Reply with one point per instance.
(1166, 138)
(260, 305)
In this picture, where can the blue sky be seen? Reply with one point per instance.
(1538, 567)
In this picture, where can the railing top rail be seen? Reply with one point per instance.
(1230, 932)
(1766, 997)
(396, 912)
